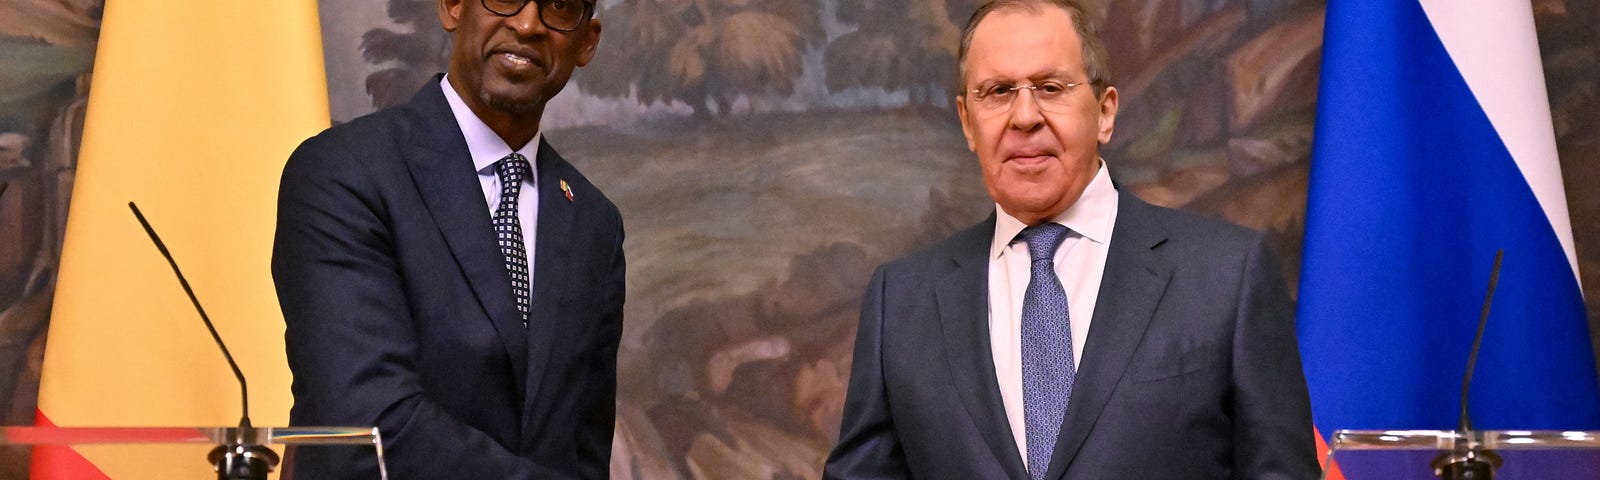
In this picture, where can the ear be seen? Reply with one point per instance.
(1108, 114)
(450, 13)
(966, 130)
(588, 39)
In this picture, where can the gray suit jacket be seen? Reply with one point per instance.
(1190, 370)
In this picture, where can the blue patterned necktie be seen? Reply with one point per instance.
(1047, 368)
(508, 230)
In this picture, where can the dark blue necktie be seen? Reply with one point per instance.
(508, 229)
(1047, 368)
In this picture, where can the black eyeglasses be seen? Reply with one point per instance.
(560, 15)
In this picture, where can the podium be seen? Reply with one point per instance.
(1410, 454)
(298, 437)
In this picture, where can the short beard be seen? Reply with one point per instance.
(515, 108)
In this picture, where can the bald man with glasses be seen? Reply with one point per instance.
(1078, 332)
(446, 276)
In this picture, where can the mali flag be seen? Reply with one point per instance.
(194, 107)
(1433, 149)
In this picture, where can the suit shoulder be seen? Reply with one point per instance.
(1188, 227)
(353, 158)
(352, 146)
(588, 198)
(383, 127)
(581, 186)
(1193, 240)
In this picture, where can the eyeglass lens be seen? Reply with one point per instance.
(563, 15)
(1050, 96)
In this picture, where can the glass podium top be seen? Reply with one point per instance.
(208, 435)
(139, 437)
(1449, 439)
(1409, 454)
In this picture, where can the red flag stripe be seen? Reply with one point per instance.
(1332, 466)
(58, 462)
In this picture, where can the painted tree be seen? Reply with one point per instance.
(898, 45)
(704, 53)
(415, 55)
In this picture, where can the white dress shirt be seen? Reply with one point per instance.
(1080, 263)
(487, 148)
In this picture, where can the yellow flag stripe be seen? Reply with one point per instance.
(193, 109)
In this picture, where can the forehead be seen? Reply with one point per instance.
(1018, 43)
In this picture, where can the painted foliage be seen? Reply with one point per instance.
(766, 154)
(46, 53)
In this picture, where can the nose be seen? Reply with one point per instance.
(526, 22)
(1025, 115)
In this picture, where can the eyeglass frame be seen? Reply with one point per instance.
(1066, 87)
(588, 12)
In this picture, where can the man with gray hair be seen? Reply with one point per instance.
(1078, 332)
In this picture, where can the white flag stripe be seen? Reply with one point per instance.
(1494, 45)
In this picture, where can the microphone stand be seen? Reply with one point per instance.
(239, 457)
(1467, 460)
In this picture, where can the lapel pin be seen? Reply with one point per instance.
(566, 189)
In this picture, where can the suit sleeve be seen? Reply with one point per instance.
(595, 434)
(868, 447)
(350, 341)
(1272, 429)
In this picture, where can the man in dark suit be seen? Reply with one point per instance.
(447, 276)
(1078, 333)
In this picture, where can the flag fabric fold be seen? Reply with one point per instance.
(1434, 149)
(193, 109)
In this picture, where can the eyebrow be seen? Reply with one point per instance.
(1057, 74)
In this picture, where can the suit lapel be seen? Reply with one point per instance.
(552, 268)
(964, 319)
(442, 170)
(1134, 280)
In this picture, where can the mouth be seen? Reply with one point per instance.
(516, 61)
(1029, 157)
(1030, 162)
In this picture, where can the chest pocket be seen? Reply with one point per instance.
(1175, 364)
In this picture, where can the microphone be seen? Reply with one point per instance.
(239, 458)
(1467, 461)
(3, 189)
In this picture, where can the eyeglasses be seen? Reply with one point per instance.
(559, 15)
(1050, 96)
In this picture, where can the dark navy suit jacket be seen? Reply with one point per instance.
(1190, 369)
(400, 314)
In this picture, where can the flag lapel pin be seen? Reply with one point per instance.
(566, 189)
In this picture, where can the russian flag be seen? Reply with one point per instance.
(1433, 149)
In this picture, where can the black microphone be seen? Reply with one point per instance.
(240, 458)
(3, 189)
(1467, 461)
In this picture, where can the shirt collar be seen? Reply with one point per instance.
(485, 146)
(1091, 217)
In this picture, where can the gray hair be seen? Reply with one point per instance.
(1094, 50)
